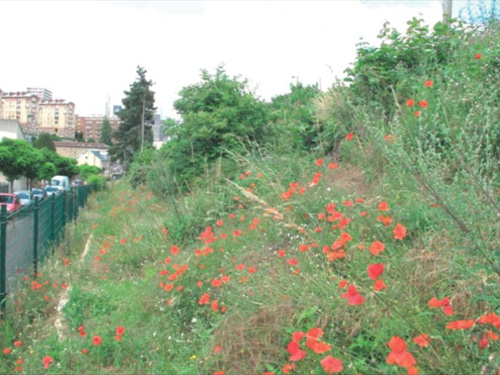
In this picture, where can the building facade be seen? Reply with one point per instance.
(75, 149)
(23, 107)
(57, 117)
(90, 127)
(43, 94)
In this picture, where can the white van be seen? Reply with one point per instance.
(61, 183)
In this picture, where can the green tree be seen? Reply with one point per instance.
(85, 171)
(45, 141)
(64, 166)
(15, 158)
(218, 114)
(106, 132)
(138, 108)
(47, 171)
(293, 119)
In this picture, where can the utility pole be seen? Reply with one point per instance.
(447, 10)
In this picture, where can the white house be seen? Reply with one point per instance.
(11, 129)
(94, 158)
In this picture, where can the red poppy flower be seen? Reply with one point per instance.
(85, 351)
(47, 361)
(423, 103)
(352, 296)
(296, 354)
(417, 113)
(399, 232)
(429, 83)
(120, 331)
(383, 206)
(7, 351)
(379, 285)
(18, 343)
(422, 340)
(215, 306)
(319, 162)
(478, 56)
(331, 365)
(410, 103)
(349, 136)
(375, 270)
(174, 250)
(204, 299)
(461, 324)
(399, 355)
(377, 247)
(96, 340)
(288, 368)
(333, 165)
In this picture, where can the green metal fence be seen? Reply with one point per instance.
(27, 235)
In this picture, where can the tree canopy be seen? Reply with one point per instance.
(45, 141)
(138, 108)
(106, 132)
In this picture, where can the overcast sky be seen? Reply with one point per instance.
(82, 50)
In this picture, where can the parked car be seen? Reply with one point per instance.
(51, 190)
(25, 197)
(38, 193)
(12, 202)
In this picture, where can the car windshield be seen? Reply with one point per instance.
(23, 196)
(37, 192)
(55, 182)
(6, 199)
(50, 189)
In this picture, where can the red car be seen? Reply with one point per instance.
(12, 202)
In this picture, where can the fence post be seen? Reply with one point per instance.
(71, 205)
(63, 210)
(76, 204)
(35, 238)
(52, 217)
(3, 256)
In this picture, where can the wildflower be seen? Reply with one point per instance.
(215, 306)
(377, 247)
(120, 331)
(331, 365)
(422, 340)
(333, 165)
(96, 340)
(399, 232)
(429, 83)
(417, 113)
(7, 351)
(296, 354)
(84, 351)
(352, 296)
(218, 349)
(375, 270)
(319, 162)
(478, 56)
(288, 368)
(399, 355)
(423, 103)
(18, 343)
(410, 103)
(461, 324)
(251, 269)
(174, 250)
(349, 136)
(383, 206)
(379, 285)
(47, 361)
(204, 299)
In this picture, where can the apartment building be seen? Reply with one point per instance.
(57, 117)
(91, 126)
(23, 107)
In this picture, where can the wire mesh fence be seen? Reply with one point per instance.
(27, 235)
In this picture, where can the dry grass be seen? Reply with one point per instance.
(249, 342)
